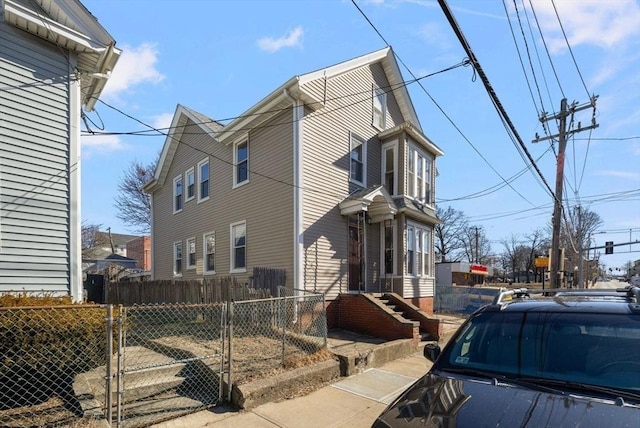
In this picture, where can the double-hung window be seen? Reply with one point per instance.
(388, 247)
(239, 247)
(241, 163)
(191, 253)
(191, 184)
(203, 180)
(389, 167)
(419, 176)
(379, 108)
(177, 259)
(209, 244)
(358, 160)
(177, 194)
(418, 250)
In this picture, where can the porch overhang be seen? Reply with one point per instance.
(375, 201)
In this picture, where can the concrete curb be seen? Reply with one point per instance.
(284, 385)
(362, 358)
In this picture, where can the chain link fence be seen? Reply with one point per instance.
(269, 336)
(43, 351)
(143, 364)
(456, 299)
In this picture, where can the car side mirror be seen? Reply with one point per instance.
(431, 351)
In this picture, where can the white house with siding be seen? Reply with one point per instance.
(55, 59)
(329, 177)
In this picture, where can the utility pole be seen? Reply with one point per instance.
(563, 133)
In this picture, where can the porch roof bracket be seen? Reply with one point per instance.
(376, 201)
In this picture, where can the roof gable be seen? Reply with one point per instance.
(181, 117)
(272, 104)
(68, 24)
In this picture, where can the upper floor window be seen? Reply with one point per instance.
(379, 108)
(358, 160)
(177, 194)
(239, 247)
(390, 167)
(203, 180)
(209, 244)
(241, 163)
(191, 253)
(177, 259)
(419, 176)
(191, 184)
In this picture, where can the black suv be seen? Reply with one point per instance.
(563, 358)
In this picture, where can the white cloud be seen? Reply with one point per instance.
(293, 38)
(92, 144)
(162, 121)
(607, 24)
(620, 174)
(136, 65)
(435, 34)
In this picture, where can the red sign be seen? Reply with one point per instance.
(479, 270)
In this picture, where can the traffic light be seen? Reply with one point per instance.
(608, 247)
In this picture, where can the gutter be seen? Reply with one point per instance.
(298, 194)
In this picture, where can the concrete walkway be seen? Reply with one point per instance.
(353, 401)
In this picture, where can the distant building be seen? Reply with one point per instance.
(461, 273)
(140, 250)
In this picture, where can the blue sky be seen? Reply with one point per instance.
(221, 57)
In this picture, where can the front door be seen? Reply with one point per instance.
(356, 257)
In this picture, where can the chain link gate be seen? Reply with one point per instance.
(141, 365)
(169, 361)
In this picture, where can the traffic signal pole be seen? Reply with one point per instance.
(565, 111)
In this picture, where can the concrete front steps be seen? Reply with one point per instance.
(162, 389)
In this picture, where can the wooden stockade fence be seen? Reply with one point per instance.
(210, 290)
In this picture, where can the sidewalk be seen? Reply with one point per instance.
(353, 401)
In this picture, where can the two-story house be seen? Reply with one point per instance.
(329, 177)
(54, 60)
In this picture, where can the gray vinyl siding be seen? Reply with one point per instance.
(34, 164)
(265, 202)
(326, 173)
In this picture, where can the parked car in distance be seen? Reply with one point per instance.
(547, 358)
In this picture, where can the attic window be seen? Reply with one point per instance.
(379, 108)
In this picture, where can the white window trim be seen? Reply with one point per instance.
(191, 171)
(427, 248)
(390, 146)
(235, 163)
(205, 254)
(190, 266)
(394, 224)
(427, 177)
(363, 143)
(383, 113)
(175, 256)
(173, 200)
(199, 180)
(232, 248)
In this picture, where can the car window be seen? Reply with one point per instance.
(593, 348)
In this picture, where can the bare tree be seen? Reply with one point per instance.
(133, 204)
(91, 239)
(475, 245)
(579, 225)
(447, 234)
(536, 243)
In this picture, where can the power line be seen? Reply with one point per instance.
(441, 109)
(570, 50)
(490, 91)
(367, 98)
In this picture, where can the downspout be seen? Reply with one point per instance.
(298, 231)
